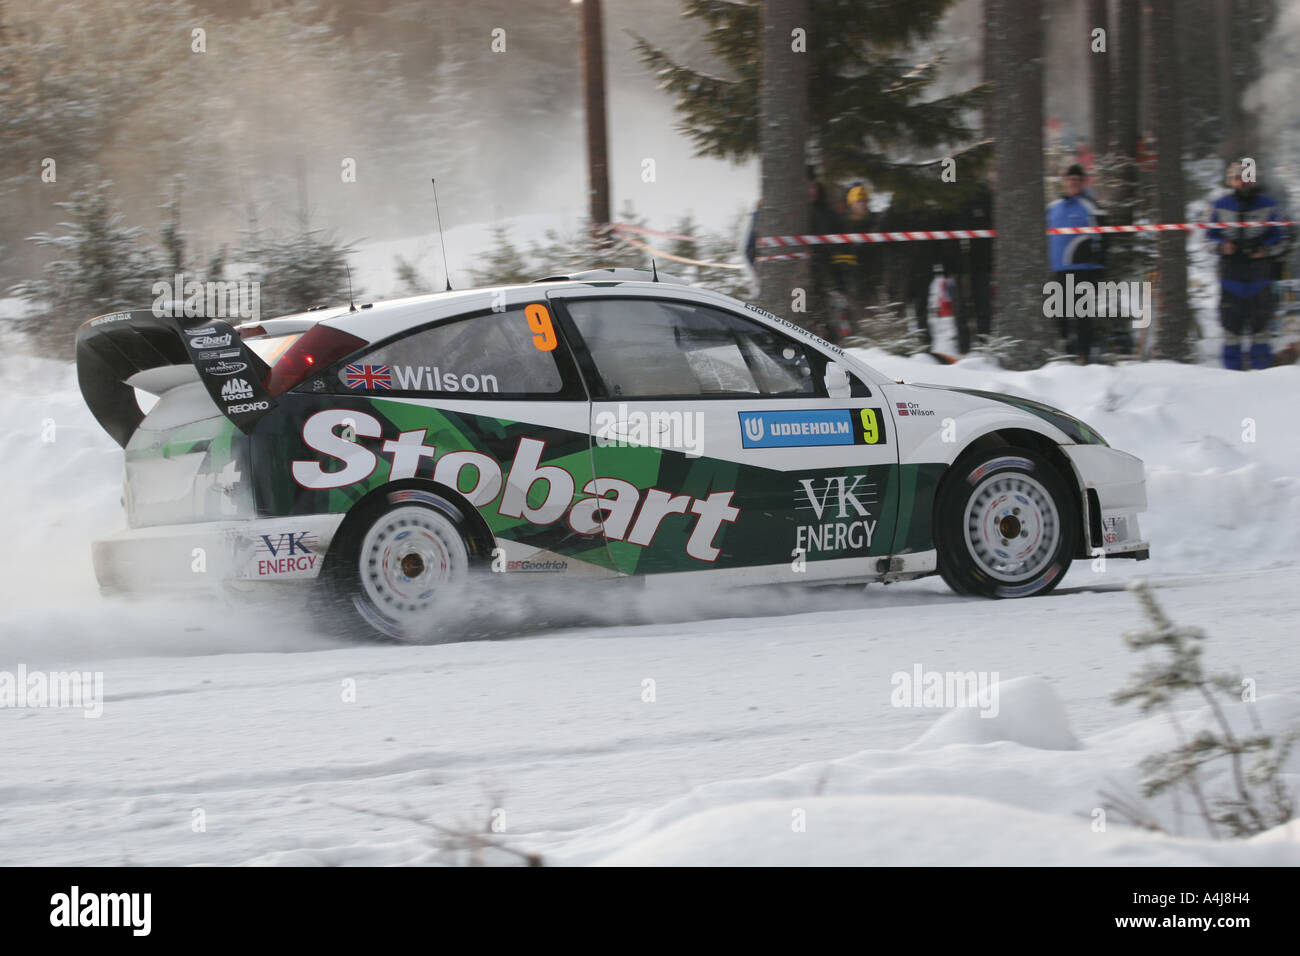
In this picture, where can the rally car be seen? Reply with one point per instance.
(603, 424)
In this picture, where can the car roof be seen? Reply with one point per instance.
(380, 320)
(377, 321)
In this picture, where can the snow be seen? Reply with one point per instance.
(769, 734)
(903, 831)
(1027, 712)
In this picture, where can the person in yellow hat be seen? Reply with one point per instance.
(857, 265)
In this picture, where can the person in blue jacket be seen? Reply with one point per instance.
(1081, 255)
(1247, 256)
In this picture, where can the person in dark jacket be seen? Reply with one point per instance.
(1080, 255)
(976, 266)
(822, 220)
(1246, 269)
(857, 266)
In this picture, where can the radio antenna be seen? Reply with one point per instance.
(441, 241)
(351, 300)
(654, 270)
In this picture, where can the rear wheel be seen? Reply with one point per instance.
(398, 570)
(1006, 525)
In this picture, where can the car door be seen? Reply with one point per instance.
(715, 443)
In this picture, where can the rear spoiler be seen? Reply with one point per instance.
(112, 348)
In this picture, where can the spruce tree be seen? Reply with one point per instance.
(100, 265)
(871, 109)
(300, 269)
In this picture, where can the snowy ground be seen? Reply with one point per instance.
(771, 736)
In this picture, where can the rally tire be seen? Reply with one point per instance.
(398, 571)
(1006, 525)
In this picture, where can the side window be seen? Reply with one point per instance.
(654, 348)
(506, 354)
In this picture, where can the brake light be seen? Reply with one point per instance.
(320, 347)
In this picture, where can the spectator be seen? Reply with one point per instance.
(1247, 257)
(749, 242)
(975, 300)
(822, 220)
(910, 263)
(857, 266)
(1077, 255)
(920, 261)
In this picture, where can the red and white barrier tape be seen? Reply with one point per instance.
(846, 238)
(861, 237)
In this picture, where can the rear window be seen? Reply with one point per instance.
(498, 354)
(269, 348)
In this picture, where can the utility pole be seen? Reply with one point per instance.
(593, 84)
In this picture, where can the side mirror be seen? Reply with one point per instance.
(837, 381)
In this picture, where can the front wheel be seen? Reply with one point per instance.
(1006, 525)
(398, 571)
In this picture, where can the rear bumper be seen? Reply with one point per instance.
(1115, 492)
(211, 555)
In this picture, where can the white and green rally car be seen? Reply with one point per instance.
(592, 425)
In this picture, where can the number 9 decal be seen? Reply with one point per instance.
(870, 426)
(539, 320)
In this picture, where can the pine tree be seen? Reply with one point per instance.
(173, 240)
(409, 278)
(720, 278)
(101, 265)
(504, 263)
(564, 253)
(868, 103)
(1254, 798)
(300, 269)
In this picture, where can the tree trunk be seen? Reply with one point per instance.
(989, 69)
(1020, 249)
(1198, 45)
(1173, 335)
(783, 118)
(1126, 93)
(1099, 74)
(1227, 94)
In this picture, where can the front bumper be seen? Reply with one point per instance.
(1115, 492)
(211, 555)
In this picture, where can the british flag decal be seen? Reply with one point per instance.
(370, 377)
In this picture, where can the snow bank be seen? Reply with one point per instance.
(954, 798)
(915, 831)
(1025, 711)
